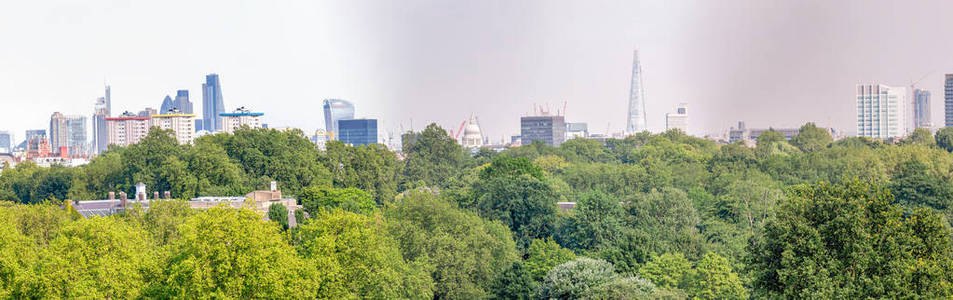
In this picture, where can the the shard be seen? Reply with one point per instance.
(636, 118)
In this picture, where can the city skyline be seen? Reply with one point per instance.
(783, 64)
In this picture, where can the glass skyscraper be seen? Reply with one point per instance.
(921, 109)
(549, 129)
(358, 131)
(212, 103)
(636, 118)
(182, 102)
(167, 105)
(948, 99)
(100, 136)
(6, 142)
(334, 111)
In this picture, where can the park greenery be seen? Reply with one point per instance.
(656, 216)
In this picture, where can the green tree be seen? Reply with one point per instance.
(432, 157)
(769, 137)
(669, 270)
(543, 255)
(370, 262)
(233, 253)
(465, 251)
(667, 221)
(371, 168)
(317, 198)
(514, 283)
(812, 138)
(576, 278)
(279, 213)
(944, 138)
(713, 279)
(597, 220)
(920, 136)
(848, 241)
(914, 185)
(525, 204)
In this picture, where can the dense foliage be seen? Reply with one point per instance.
(663, 216)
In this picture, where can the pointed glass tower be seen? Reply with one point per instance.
(636, 118)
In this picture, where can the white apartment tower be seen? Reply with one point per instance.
(182, 125)
(880, 111)
(126, 129)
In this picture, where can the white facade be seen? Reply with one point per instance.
(679, 119)
(472, 134)
(880, 111)
(241, 117)
(126, 130)
(182, 125)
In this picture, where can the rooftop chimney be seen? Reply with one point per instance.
(122, 199)
(274, 186)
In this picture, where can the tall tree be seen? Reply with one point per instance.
(944, 138)
(433, 158)
(812, 138)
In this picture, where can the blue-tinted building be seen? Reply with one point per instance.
(334, 111)
(357, 131)
(921, 109)
(182, 102)
(167, 105)
(212, 103)
(6, 142)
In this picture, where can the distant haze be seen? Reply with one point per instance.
(769, 63)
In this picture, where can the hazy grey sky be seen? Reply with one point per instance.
(770, 63)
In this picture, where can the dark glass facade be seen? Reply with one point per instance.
(549, 129)
(358, 131)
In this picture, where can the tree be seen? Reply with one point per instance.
(525, 204)
(669, 270)
(713, 279)
(575, 279)
(370, 261)
(668, 222)
(511, 167)
(514, 283)
(371, 168)
(465, 251)
(848, 241)
(812, 138)
(914, 185)
(543, 255)
(433, 157)
(769, 137)
(920, 136)
(631, 288)
(597, 220)
(317, 198)
(944, 138)
(279, 213)
(232, 253)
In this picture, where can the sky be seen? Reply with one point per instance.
(412, 62)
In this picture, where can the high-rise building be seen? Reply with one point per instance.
(636, 118)
(357, 131)
(679, 119)
(148, 112)
(182, 125)
(126, 129)
(167, 104)
(921, 109)
(32, 136)
(182, 102)
(576, 130)
(6, 142)
(100, 136)
(334, 111)
(109, 101)
(549, 129)
(240, 117)
(70, 132)
(212, 103)
(948, 99)
(880, 111)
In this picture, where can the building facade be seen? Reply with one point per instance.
(100, 134)
(240, 117)
(6, 142)
(472, 134)
(357, 131)
(334, 111)
(679, 119)
(182, 125)
(948, 100)
(576, 130)
(549, 129)
(212, 104)
(921, 109)
(182, 102)
(636, 117)
(127, 129)
(70, 132)
(880, 111)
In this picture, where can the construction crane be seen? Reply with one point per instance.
(457, 134)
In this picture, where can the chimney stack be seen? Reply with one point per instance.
(168, 195)
(155, 195)
(274, 186)
(122, 199)
(112, 195)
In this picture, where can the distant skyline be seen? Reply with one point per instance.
(769, 63)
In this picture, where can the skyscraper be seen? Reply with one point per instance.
(679, 119)
(358, 131)
(921, 109)
(182, 102)
(69, 132)
(948, 99)
(636, 118)
(334, 111)
(109, 102)
(212, 103)
(549, 129)
(167, 104)
(880, 111)
(6, 142)
(100, 136)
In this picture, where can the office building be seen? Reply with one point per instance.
(880, 111)
(100, 135)
(126, 129)
(181, 124)
(68, 132)
(182, 102)
(679, 119)
(321, 138)
(6, 142)
(357, 131)
(109, 102)
(212, 104)
(334, 111)
(148, 112)
(636, 117)
(576, 130)
(240, 117)
(167, 104)
(948, 100)
(32, 136)
(921, 109)
(549, 129)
